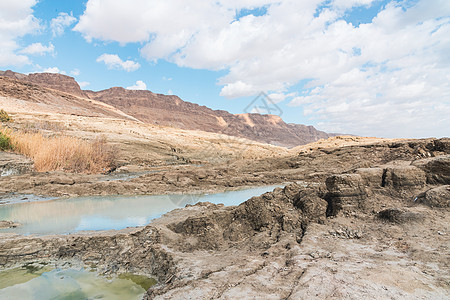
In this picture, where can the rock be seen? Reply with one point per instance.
(404, 176)
(372, 177)
(55, 81)
(8, 224)
(313, 207)
(442, 145)
(397, 215)
(437, 169)
(14, 164)
(288, 209)
(346, 192)
(436, 197)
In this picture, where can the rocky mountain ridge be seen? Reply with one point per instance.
(170, 110)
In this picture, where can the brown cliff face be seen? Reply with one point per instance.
(38, 98)
(54, 81)
(168, 110)
(172, 111)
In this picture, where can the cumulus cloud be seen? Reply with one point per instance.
(139, 85)
(113, 61)
(83, 84)
(16, 20)
(75, 72)
(387, 76)
(38, 49)
(53, 70)
(59, 24)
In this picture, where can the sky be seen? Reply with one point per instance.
(365, 67)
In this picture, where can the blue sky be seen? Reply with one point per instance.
(367, 67)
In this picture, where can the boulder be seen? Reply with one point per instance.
(372, 177)
(396, 215)
(313, 207)
(436, 197)
(404, 176)
(346, 192)
(437, 169)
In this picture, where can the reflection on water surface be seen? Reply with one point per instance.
(106, 212)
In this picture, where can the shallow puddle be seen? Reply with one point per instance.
(70, 284)
(106, 212)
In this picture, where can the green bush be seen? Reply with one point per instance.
(5, 142)
(4, 117)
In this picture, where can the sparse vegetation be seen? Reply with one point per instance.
(4, 117)
(5, 142)
(63, 153)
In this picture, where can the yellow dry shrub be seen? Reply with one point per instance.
(63, 153)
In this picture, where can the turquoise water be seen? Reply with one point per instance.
(67, 284)
(106, 212)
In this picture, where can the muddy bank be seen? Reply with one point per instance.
(358, 234)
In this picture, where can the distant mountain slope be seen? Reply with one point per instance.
(54, 81)
(172, 111)
(168, 110)
(22, 96)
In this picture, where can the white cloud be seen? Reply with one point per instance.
(59, 24)
(238, 89)
(113, 61)
(139, 85)
(83, 84)
(169, 92)
(75, 72)
(16, 20)
(38, 49)
(388, 76)
(279, 97)
(53, 70)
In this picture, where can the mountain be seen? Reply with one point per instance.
(54, 81)
(23, 96)
(169, 110)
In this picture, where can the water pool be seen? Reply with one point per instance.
(71, 215)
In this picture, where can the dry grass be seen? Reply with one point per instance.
(62, 153)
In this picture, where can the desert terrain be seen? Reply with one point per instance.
(356, 218)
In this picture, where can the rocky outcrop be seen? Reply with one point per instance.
(372, 177)
(403, 177)
(437, 168)
(346, 193)
(54, 81)
(14, 164)
(435, 197)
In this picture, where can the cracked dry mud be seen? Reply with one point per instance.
(363, 222)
